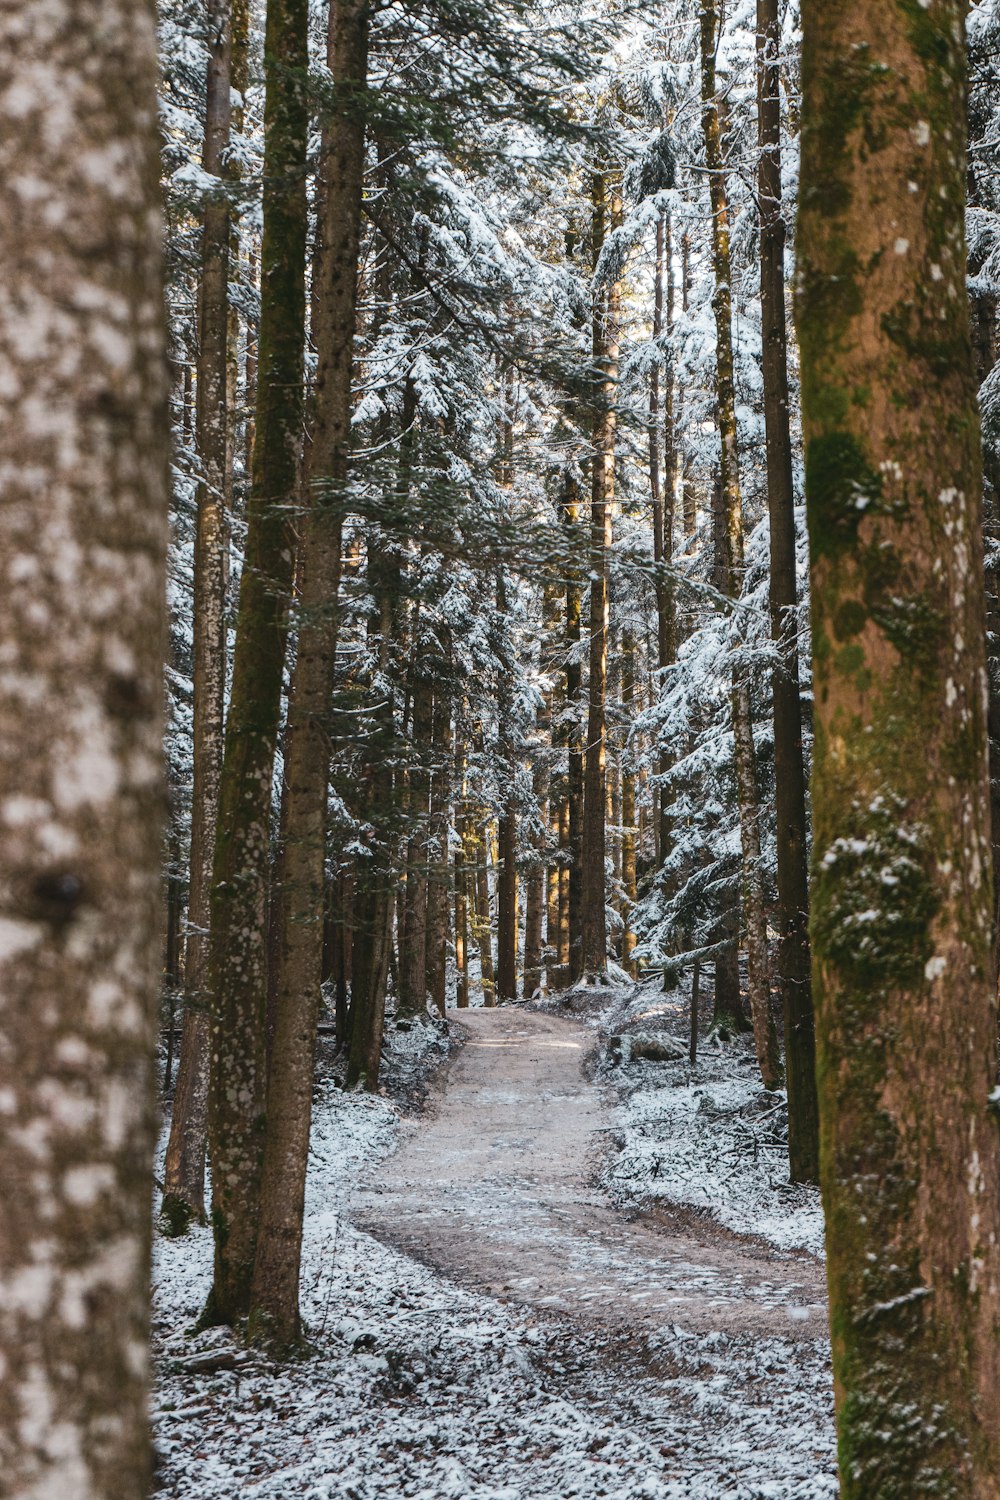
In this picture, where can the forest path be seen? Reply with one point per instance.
(495, 1188)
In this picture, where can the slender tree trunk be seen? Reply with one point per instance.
(439, 883)
(238, 978)
(184, 1167)
(507, 824)
(462, 829)
(553, 875)
(789, 770)
(695, 1006)
(662, 494)
(373, 914)
(901, 909)
(374, 899)
(413, 919)
(535, 889)
(83, 424)
(507, 906)
(727, 1010)
(594, 955)
(565, 875)
(754, 916)
(574, 740)
(483, 921)
(629, 884)
(276, 1271)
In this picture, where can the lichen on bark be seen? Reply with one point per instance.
(83, 504)
(906, 1022)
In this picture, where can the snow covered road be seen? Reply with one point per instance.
(496, 1190)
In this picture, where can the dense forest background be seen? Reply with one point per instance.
(526, 556)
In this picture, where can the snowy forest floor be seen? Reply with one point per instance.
(579, 1274)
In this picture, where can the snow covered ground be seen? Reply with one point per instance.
(708, 1136)
(420, 1388)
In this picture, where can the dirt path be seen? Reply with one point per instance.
(495, 1189)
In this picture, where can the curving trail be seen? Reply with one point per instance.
(494, 1188)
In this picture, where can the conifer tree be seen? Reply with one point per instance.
(184, 1167)
(242, 855)
(901, 914)
(83, 429)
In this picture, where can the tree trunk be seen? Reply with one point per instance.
(727, 1010)
(564, 870)
(553, 882)
(629, 885)
(663, 500)
(438, 889)
(789, 772)
(593, 922)
(534, 895)
(507, 906)
(413, 918)
(483, 921)
(184, 1166)
(275, 1293)
(754, 916)
(83, 425)
(901, 909)
(374, 877)
(463, 830)
(238, 978)
(574, 739)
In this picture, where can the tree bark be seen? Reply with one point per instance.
(754, 916)
(789, 771)
(83, 424)
(373, 884)
(238, 978)
(593, 922)
(275, 1310)
(439, 884)
(535, 885)
(463, 830)
(507, 906)
(184, 1166)
(573, 735)
(629, 885)
(483, 924)
(901, 908)
(413, 921)
(663, 501)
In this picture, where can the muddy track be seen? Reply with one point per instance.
(494, 1188)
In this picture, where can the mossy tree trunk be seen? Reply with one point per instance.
(754, 914)
(275, 1292)
(83, 531)
(184, 1166)
(238, 977)
(789, 769)
(901, 908)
